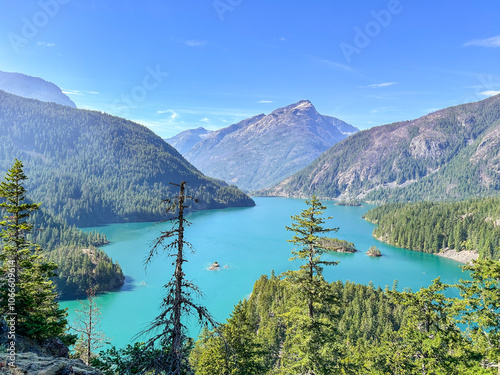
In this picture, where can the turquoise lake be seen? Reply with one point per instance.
(251, 242)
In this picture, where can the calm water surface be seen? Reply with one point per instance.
(251, 242)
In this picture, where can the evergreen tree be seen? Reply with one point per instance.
(306, 349)
(480, 308)
(307, 226)
(26, 289)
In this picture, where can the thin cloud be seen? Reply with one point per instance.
(336, 65)
(79, 92)
(46, 44)
(206, 119)
(173, 115)
(489, 93)
(493, 42)
(265, 101)
(378, 85)
(196, 43)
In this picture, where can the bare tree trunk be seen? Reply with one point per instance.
(177, 336)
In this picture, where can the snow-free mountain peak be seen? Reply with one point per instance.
(260, 151)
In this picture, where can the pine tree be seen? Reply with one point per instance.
(308, 347)
(26, 291)
(307, 226)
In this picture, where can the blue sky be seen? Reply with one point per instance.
(174, 65)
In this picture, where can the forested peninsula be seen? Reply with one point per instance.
(434, 227)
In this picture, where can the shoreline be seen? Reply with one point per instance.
(464, 256)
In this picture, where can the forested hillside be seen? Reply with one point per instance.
(432, 227)
(88, 167)
(453, 153)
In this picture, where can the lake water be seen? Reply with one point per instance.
(251, 242)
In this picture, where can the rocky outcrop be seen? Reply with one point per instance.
(34, 364)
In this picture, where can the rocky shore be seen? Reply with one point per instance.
(464, 256)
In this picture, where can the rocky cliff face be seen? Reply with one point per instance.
(453, 153)
(33, 88)
(263, 150)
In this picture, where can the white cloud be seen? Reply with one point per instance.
(78, 92)
(382, 109)
(46, 44)
(173, 115)
(337, 65)
(265, 101)
(489, 93)
(196, 43)
(490, 42)
(205, 120)
(378, 85)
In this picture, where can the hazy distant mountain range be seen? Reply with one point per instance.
(453, 153)
(90, 168)
(33, 88)
(260, 151)
(184, 141)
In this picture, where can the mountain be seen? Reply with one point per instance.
(33, 88)
(90, 168)
(260, 151)
(447, 155)
(184, 141)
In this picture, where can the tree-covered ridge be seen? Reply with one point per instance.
(80, 264)
(449, 154)
(80, 269)
(432, 227)
(88, 167)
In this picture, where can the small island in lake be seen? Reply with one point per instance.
(353, 203)
(214, 267)
(374, 251)
(334, 244)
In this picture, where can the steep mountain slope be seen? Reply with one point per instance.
(89, 168)
(184, 141)
(33, 88)
(262, 150)
(453, 153)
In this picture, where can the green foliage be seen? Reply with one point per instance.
(91, 168)
(432, 227)
(334, 244)
(307, 226)
(24, 272)
(81, 269)
(480, 307)
(374, 251)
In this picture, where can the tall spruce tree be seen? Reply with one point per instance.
(308, 227)
(307, 348)
(24, 272)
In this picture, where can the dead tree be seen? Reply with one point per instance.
(87, 325)
(168, 330)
